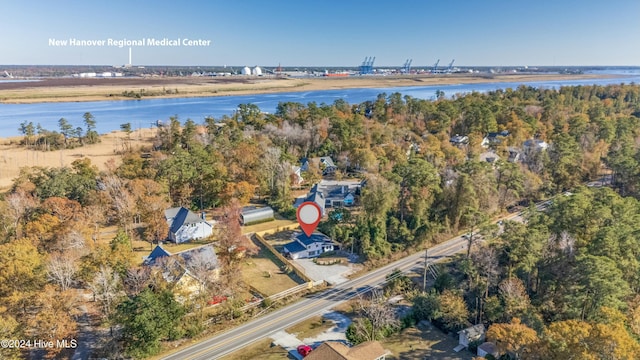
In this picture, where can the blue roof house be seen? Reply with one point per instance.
(304, 246)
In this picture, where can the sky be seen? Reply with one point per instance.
(298, 33)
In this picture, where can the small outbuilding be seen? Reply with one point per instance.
(488, 348)
(471, 334)
(253, 215)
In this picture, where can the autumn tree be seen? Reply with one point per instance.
(232, 244)
(54, 319)
(514, 338)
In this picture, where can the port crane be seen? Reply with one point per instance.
(406, 68)
(367, 65)
(450, 68)
(435, 67)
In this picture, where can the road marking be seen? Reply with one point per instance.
(370, 279)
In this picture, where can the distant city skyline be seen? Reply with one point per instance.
(321, 33)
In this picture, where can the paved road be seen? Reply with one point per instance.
(312, 305)
(260, 328)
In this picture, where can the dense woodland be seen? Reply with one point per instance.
(574, 266)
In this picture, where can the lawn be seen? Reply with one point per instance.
(264, 274)
(259, 350)
(269, 226)
(429, 343)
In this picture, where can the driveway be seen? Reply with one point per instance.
(335, 333)
(332, 274)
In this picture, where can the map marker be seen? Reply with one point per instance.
(309, 215)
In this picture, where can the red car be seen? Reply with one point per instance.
(304, 350)
(217, 300)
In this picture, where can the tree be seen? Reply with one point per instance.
(61, 270)
(122, 202)
(452, 311)
(377, 320)
(54, 318)
(575, 339)
(66, 129)
(232, 244)
(146, 319)
(514, 296)
(107, 290)
(91, 134)
(20, 204)
(28, 130)
(126, 127)
(598, 282)
(514, 337)
(419, 184)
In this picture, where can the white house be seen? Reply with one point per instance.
(304, 246)
(185, 225)
(494, 138)
(296, 175)
(534, 145)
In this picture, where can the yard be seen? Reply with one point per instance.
(425, 343)
(263, 273)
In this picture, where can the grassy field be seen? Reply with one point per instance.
(13, 156)
(99, 89)
(269, 227)
(263, 273)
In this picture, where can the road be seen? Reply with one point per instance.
(310, 306)
(316, 304)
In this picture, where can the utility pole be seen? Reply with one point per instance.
(426, 268)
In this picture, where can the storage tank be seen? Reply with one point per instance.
(246, 70)
(257, 71)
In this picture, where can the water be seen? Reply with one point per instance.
(142, 113)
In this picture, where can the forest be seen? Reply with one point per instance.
(573, 267)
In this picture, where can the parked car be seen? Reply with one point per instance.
(304, 350)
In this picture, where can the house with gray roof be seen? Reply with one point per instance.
(185, 268)
(304, 246)
(333, 193)
(185, 225)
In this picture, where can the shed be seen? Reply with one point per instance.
(252, 215)
(471, 334)
(488, 348)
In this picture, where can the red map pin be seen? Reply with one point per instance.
(309, 215)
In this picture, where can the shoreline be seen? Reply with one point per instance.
(85, 90)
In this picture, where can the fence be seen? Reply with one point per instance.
(275, 297)
(282, 259)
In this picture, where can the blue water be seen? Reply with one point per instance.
(142, 113)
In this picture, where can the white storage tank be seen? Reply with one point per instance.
(246, 70)
(257, 71)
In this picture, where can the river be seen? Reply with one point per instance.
(143, 113)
